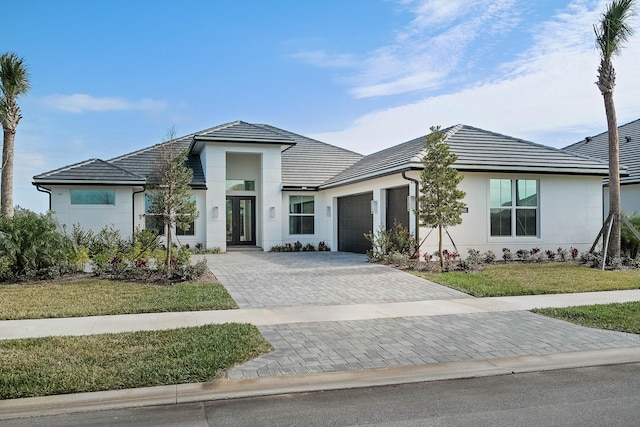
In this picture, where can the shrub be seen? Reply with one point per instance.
(489, 257)
(33, 247)
(506, 254)
(322, 246)
(628, 242)
(385, 242)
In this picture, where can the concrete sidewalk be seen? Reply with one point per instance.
(15, 329)
(336, 321)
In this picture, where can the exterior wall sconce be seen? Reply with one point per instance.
(374, 207)
(328, 211)
(272, 212)
(411, 203)
(216, 212)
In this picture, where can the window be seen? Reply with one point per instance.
(514, 207)
(93, 197)
(150, 220)
(301, 214)
(240, 185)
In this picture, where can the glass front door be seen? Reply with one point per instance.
(241, 220)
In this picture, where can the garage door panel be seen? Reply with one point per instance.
(397, 207)
(354, 220)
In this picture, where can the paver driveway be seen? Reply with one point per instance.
(264, 279)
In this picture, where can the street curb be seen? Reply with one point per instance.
(233, 389)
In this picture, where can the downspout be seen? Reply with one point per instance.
(416, 212)
(133, 209)
(44, 190)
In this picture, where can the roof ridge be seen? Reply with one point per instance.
(72, 166)
(280, 130)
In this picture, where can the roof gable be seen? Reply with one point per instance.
(598, 147)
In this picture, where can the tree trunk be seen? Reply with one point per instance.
(614, 175)
(169, 251)
(440, 246)
(6, 188)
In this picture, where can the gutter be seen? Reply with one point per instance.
(45, 190)
(133, 210)
(416, 211)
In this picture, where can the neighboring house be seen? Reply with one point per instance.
(598, 147)
(257, 185)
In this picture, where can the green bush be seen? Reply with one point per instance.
(629, 243)
(397, 240)
(33, 247)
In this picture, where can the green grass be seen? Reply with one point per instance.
(94, 297)
(624, 317)
(533, 279)
(58, 365)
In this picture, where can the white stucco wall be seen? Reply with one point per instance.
(570, 213)
(257, 162)
(94, 217)
(629, 199)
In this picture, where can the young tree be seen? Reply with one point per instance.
(439, 200)
(612, 32)
(14, 82)
(169, 188)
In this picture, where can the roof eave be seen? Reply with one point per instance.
(86, 182)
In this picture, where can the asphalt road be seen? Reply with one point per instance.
(578, 397)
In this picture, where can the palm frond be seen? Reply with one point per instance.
(14, 76)
(614, 28)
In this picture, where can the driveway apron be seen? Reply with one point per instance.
(262, 280)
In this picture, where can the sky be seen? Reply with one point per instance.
(113, 76)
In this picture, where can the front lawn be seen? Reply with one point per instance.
(532, 279)
(94, 297)
(58, 365)
(624, 317)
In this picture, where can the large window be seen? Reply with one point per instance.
(93, 197)
(514, 207)
(301, 215)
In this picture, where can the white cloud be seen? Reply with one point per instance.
(546, 95)
(79, 102)
(423, 53)
(322, 59)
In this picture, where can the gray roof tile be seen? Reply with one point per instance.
(91, 171)
(598, 147)
(477, 150)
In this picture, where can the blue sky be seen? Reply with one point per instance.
(110, 77)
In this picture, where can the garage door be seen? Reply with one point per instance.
(354, 220)
(397, 207)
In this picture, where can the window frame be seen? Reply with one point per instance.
(302, 215)
(515, 208)
(110, 193)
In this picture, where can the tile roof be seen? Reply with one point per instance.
(477, 150)
(309, 163)
(240, 131)
(89, 171)
(598, 147)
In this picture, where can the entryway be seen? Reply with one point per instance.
(241, 220)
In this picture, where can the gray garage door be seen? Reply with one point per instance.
(354, 220)
(397, 207)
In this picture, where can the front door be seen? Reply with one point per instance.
(241, 220)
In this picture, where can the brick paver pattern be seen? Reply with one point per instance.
(259, 280)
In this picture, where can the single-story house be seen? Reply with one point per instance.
(258, 185)
(597, 147)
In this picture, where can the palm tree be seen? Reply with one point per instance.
(14, 81)
(612, 32)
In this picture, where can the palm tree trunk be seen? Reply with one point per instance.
(6, 188)
(614, 175)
